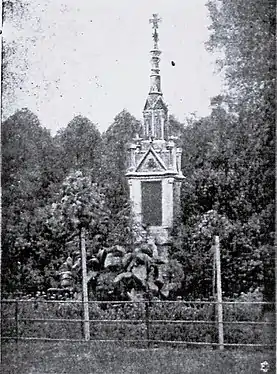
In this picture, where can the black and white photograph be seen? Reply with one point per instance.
(138, 187)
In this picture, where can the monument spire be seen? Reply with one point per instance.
(155, 109)
(154, 173)
(155, 78)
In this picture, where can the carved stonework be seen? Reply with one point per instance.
(151, 164)
(154, 172)
(150, 161)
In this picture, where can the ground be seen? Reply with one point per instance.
(104, 358)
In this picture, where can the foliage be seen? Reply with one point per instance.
(80, 146)
(116, 140)
(225, 178)
(245, 312)
(80, 204)
(176, 312)
(245, 33)
(133, 271)
(42, 216)
(146, 272)
(29, 158)
(30, 176)
(176, 129)
(228, 160)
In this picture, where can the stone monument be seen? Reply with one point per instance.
(154, 171)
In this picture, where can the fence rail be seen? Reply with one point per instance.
(194, 302)
(131, 321)
(20, 317)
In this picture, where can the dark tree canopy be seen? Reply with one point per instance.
(80, 146)
(116, 141)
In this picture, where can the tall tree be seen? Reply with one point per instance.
(245, 32)
(30, 174)
(228, 158)
(116, 141)
(80, 146)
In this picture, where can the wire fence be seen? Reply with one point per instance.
(148, 323)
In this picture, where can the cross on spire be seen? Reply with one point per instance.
(155, 21)
(155, 25)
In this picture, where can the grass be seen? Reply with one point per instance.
(105, 358)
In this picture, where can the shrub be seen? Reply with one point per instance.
(246, 333)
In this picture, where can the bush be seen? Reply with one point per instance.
(193, 332)
(246, 333)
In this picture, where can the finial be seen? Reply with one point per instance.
(155, 21)
(155, 25)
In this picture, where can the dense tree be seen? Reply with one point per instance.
(79, 208)
(245, 33)
(228, 159)
(80, 146)
(116, 141)
(219, 189)
(176, 128)
(33, 168)
(30, 176)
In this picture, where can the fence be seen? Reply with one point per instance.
(187, 323)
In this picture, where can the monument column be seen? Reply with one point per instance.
(154, 173)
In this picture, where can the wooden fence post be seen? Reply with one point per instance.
(146, 305)
(214, 273)
(16, 325)
(219, 294)
(84, 285)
